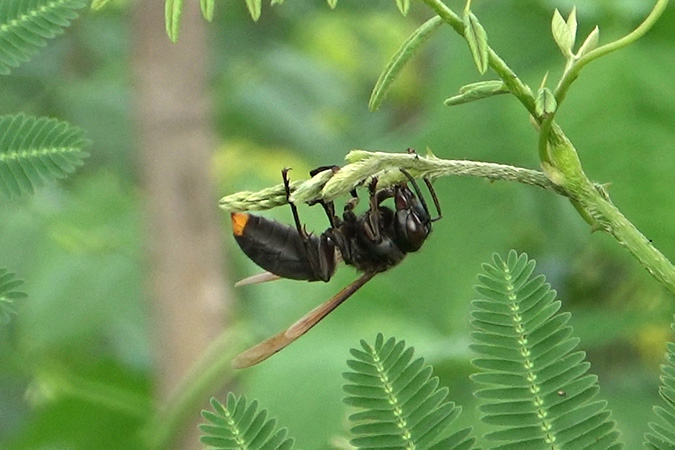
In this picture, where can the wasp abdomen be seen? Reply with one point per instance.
(275, 247)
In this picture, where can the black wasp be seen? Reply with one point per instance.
(372, 242)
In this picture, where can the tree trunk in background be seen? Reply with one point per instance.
(186, 283)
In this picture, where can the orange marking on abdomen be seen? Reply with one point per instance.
(239, 221)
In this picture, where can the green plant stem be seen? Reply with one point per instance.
(328, 185)
(595, 207)
(628, 236)
(211, 371)
(563, 175)
(574, 69)
(559, 157)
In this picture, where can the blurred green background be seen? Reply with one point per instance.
(292, 90)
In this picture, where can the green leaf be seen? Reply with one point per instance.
(207, 8)
(8, 294)
(591, 42)
(403, 407)
(536, 389)
(476, 91)
(403, 6)
(545, 103)
(25, 26)
(36, 150)
(476, 37)
(572, 24)
(564, 32)
(242, 427)
(172, 14)
(254, 8)
(407, 50)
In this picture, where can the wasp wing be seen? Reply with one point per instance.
(269, 347)
(262, 277)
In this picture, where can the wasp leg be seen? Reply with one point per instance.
(437, 204)
(294, 209)
(371, 225)
(435, 199)
(328, 207)
(322, 257)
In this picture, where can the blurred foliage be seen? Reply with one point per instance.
(399, 402)
(292, 90)
(26, 25)
(36, 150)
(8, 294)
(660, 432)
(535, 388)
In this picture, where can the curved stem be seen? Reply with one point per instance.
(563, 176)
(608, 218)
(328, 185)
(573, 73)
(542, 144)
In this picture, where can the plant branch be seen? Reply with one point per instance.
(609, 219)
(559, 158)
(562, 176)
(574, 69)
(594, 205)
(363, 165)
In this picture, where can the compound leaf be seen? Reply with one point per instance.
(25, 26)
(662, 434)
(536, 389)
(402, 405)
(34, 150)
(241, 426)
(9, 294)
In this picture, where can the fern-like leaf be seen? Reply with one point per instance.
(537, 389)
(9, 294)
(240, 426)
(402, 404)
(35, 150)
(25, 26)
(662, 434)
